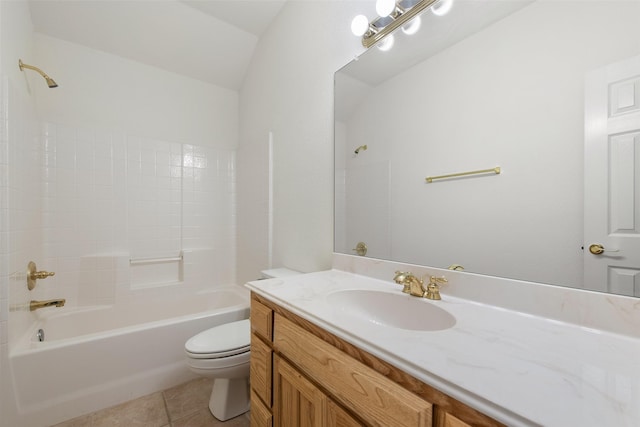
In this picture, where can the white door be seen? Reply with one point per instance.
(612, 179)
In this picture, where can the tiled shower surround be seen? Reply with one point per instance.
(84, 200)
(20, 206)
(110, 197)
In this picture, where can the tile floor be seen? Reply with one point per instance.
(185, 405)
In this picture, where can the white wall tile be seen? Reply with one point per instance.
(133, 194)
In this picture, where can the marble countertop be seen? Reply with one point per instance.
(518, 368)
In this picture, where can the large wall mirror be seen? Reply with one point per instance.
(549, 91)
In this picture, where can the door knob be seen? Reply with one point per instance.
(598, 249)
(33, 274)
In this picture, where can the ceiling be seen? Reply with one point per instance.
(209, 40)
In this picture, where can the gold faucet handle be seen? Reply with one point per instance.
(360, 249)
(33, 274)
(42, 274)
(401, 278)
(433, 288)
(433, 280)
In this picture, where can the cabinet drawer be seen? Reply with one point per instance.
(260, 415)
(261, 320)
(261, 369)
(375, 398)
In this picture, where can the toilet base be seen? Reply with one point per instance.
(229, 398)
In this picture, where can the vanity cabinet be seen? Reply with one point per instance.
(301, 375)
(300, 403)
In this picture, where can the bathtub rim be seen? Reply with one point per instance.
(27, 343)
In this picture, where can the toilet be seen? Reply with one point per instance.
(222, 353)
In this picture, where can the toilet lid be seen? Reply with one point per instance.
(221, 341)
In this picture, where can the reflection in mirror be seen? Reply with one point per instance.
(547, 90)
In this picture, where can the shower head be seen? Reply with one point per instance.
(362, 147)
(50, 82)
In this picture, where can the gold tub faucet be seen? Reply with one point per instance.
(34, 305)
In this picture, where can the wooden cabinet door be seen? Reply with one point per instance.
(338, 417)
(297, 402)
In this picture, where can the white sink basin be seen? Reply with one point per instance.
(399, 310)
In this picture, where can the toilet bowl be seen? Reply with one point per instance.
(222, 353)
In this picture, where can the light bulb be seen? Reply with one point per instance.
(385, 7)
(442, 7)
(387, 43)
(359, 25)
(412, 26)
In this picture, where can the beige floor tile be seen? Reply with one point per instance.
(203, 418)
(188, 398)
(83, 421)
(239, 421)
(186, 405)
(147, 411)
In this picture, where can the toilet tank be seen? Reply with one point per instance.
(278, 272)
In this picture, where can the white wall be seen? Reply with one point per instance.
(289, 90)
(495, 99)
(100, 89)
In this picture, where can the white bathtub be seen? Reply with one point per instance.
(96, 357)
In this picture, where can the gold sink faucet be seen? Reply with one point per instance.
(412, 285)
(34, 305)
(415, 287)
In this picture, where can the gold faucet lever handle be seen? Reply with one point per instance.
(403, 278)
(33, 274)
(433, 289)
(42, 274)
(433, 280)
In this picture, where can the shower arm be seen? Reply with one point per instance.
(50, 82)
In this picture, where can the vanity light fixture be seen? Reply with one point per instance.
(359, 25)
(385, 7)
(386, 44)
(391, 16)
(413, 26)
(442, 7)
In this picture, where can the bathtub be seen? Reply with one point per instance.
(95, 357)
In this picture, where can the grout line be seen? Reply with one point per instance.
(166, 408)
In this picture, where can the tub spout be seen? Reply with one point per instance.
(34, 305)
